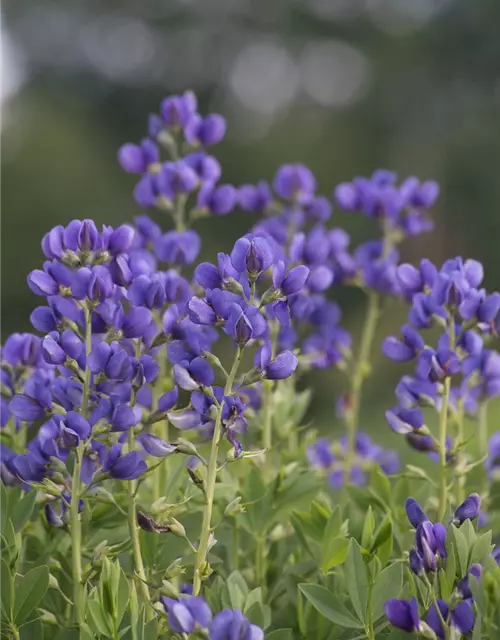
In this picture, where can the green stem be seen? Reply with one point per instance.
(267, 424)
(75, 518)
(161, 429)
(359, 374)
(132, 520)
(483, 440)
(134, 534)
(206, 528)
(443, 485)
(236, 546)
(461, 461)
(260, 564)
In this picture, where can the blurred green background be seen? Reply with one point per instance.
(345, 86)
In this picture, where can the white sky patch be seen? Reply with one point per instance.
(11, 71)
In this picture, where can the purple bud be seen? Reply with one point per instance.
(201, 313)
(121, 239)
(156, 446)
(469, 509)
(403, 614)
(52, 352)
(25, 408)
(295, 280)
(168, 400)
(42, 284)
(416, 515)
(282, 366)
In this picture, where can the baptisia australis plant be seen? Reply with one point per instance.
(154, 478)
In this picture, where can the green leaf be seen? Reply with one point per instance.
(388, 585)
(101, 622)
(32, 630)
(29, 593)
(384, 551)
(482, 548)
(334, 553)
(123, 596)
(256, 615)
(467, 528)
(383, 533)
(280, 634)
(328, 606)
(6, 594)
(368, 529)
(21, 511)
(476, 633)
(253, 597)
(458, 543)
(356, 579)
(150, 630)
(381, 486)
(450, 575)
(237, 590)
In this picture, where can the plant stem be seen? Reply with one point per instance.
(260, 564)
(267, 434)
(75, 518)
(358, 376)
(211, 478)
(161, 429)
(483, 440)
(134, 534)
(132, 517)
(462, 460)
(236, 546)
(443, 486)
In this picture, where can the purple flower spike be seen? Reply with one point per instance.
(403, 614)
(469, 509)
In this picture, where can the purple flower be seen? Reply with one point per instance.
(320, 454)
(156, 446)
(295, 182)
(461, 618)
(178, 247)
(403, 614)
(403, 351)
(469, 509)
(138, 158)
(205, 132)
(123, 467)
(229, 625)
(255, 199)
(281, 367)
(252, 254)
(404, 421)
(177, 111)
(175, 178)
(217, 200)
(187, 614)
(416, 515)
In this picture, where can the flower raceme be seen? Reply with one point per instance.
(127, 374)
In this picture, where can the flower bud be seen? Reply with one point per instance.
(234, 508)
